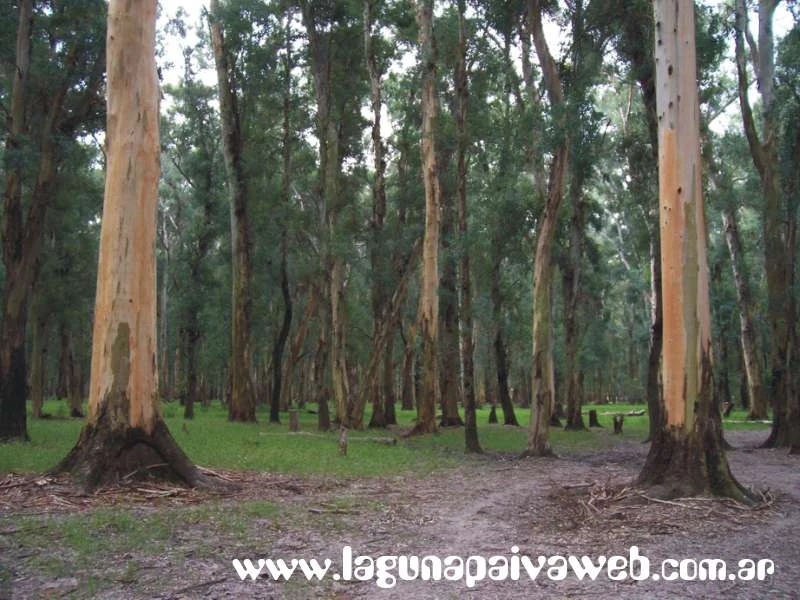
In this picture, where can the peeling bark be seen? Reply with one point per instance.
(125, 432)
(687, 455)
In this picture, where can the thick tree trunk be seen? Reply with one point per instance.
(125, 431)
(543, 384)
(429, 287)
(243, 405)
(750, 349)
(686, 456)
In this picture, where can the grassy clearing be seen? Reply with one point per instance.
(212, 441)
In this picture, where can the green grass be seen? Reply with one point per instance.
(210, 440)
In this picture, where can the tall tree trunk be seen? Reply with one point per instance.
(543, 384)
(286, 175)
(243, 405)
(429, 292)
(777, 251)
(687, 455)
(378, 260)
(330, 167)
(18, 264)
(750, 349)
(125, 431)
(471, 442)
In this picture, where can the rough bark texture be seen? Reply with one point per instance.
(429, 288)
(778, 252)
(750, 350)
(125, 432)
(543, 384)
(279, 395)
(471, 442)
(686, 456)
(243, 404)
(572, 299)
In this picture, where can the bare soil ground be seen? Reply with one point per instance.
(484, 507)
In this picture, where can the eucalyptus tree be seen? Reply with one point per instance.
(58, 58)
(687, 455)
(125, 430)
(779, 215)
(242, 406)
(542, 361)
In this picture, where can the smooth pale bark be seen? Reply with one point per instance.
(125, 431)
(543, 380)
(686, 455)
(750, 349)
(471, 442)
(242, 406)
(779, 248)
(428, 315)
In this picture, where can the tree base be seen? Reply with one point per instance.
(456, 421)
(103, 455)
(695, 465)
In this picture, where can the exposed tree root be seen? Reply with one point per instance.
(104, 455)
(690, 468)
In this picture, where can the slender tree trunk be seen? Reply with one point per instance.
(750, 349)
(777, 251)
(125, 432)
(687, 455)
(38, 362)
(572, 301)
(243, 405)
(283, 335)
(18, 265)
(471, 442)
(543, 384)
(429, 292)
(407, 376)
(500, 354)
(163, 378)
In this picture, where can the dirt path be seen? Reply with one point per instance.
(484, 508)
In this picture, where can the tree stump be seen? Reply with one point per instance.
(593, 422)
(294, 420)
(343, 441)
(618, 420)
